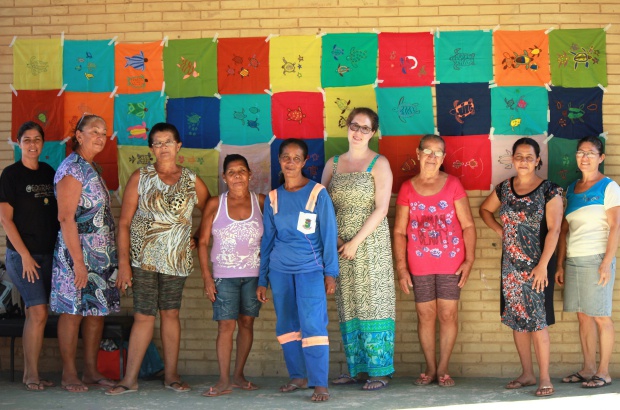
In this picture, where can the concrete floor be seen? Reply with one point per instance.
(469, 393)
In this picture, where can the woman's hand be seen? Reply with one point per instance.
(404, 280)
(464, 270)
(81, 275)
(124, 279)
(30, 268)
(539, 273)
(330, 285)
(210, 289)
(559, 275)
(348, 250)
(261, 294)
(604, 271)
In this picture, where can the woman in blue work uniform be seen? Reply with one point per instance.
(299, 258)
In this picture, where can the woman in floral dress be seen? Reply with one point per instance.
(360, 182)
(531, 212)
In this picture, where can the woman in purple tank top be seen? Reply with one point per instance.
(235, 221)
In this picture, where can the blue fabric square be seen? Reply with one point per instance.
(463, 109)
(197, 119)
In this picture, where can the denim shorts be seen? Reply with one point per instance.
(37, 293)
(427, 288)
(235, 296)
(153, 291)
(582, 293)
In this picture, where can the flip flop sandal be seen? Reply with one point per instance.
(369, 382)
(444, 379)
(571, 378)
(214, 392)
(71, 388)
(124, 390)
(31, 386)
(599, 382)
(249, 386)
(179, 387)
(349, 380)
(424, 380)
(540, 392)
(287, 388)
(315, 396)
(516, 384)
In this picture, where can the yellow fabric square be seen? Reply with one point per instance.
(339, 101)
(295, 63)
(37, 64)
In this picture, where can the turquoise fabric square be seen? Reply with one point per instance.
(88, 65)
(405, 110)
(464, 56)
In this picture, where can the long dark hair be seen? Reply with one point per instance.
(293, 141)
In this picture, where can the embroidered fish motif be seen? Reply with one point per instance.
(136, 61)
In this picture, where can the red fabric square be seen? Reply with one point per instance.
(400, 151)
(469, 159)
(43, 107)
(242, 65)
(406, 59)
(297, 114)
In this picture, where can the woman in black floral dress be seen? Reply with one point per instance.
(530, 209)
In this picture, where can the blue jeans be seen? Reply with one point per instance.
(37, 293)
(235, 296)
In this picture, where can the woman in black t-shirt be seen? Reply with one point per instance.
(29, 216)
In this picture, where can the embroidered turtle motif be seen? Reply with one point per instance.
(342, 104)
(575, 113)
(138, 109)
(138, 81)
(287, 67)
(36, 67)
(404, 110)
(254, 110)
(582, 57)
(295, 115)
(240, 115)
(244, 72)
(463, 109)
(514, 122)
(462, 59)
(230, 71)
(522, 103)
(253, 124)
(42, 116)
(506, 159)
(136, 61)
(237, 59)
(337, 52)
(342, 70)
(509, 103)
(188, 68)
(253, 61)
(355, 56)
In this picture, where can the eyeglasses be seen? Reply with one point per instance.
(438, 154)
(519, 158)
(356, 127)
(159, 144)
(587, 154)
(286, 158)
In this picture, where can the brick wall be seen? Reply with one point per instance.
(484, 346)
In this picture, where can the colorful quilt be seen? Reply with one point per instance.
(77, 104)
(245, 119)
(190, 67)
(43, 107)
(138, 68)
(349, 59)
(406, 59)
(563, 168)
(519, 110)
(197, 119)
(521, 57)
(469, 159)
(402, 156)
(202, 161)
(578, 57)
(314, 164)
(88, 65)
(259, 159)
(464, 56)
(135, 114)
(295, 63)
(575, 112)
(242, 65)
(405, 110)
(37, 64)
(501, 156)
(463, 109)
(53, 153)
(297, 114)
(339, 101)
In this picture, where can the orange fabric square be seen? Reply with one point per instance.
(401, 153)
(76, 104)
(138, 68)
(521, 57)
